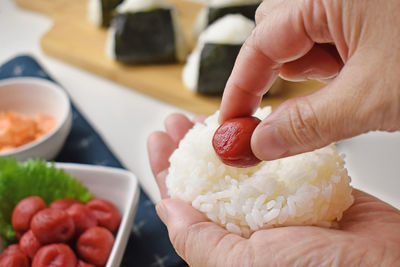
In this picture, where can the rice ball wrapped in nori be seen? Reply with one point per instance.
(308, 189)
(211, 62)
(146, 32)
(100, 11)
(217, 9)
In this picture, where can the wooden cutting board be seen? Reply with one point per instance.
(74, 40)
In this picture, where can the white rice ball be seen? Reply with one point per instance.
(307, 189)
(230, 29)
(202, 17)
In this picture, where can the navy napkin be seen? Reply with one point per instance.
(148, 243)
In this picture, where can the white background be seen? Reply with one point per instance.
(124, 118)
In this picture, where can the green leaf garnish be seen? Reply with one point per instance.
(19, 180)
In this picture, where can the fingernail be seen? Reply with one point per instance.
(162, 211)
(267, 143)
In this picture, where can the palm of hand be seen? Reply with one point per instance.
(368, 234)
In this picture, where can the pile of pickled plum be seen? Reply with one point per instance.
(66, 233)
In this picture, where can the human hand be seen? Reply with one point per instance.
(352, 44)
(367, 235)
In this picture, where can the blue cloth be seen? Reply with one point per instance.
(148, 243)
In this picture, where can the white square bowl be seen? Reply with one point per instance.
(118, 186)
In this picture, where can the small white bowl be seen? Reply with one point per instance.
(31, 96)
(117, 186)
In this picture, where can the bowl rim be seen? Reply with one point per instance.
(45, 83)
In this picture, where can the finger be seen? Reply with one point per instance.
(194, 236)
(353, 103)
(160, 146)
(322, 62)
(177, 126)
(278, 39)
(162, 186)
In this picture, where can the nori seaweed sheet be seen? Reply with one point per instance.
(216, 64)
(145, 37)
(248, 11)
(107, 7)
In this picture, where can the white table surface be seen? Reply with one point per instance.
(119, 113)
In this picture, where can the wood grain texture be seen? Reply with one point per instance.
(74, 40)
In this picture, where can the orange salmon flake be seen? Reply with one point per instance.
(17, 129)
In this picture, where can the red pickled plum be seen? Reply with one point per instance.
(24, 211)
(55, 255)
(13, 256)
(82, 216)
(52, 226)
(63, 204)
(29, 244)
(231, 142)
(11, 249)
(95, 245)
(106, 213)
(14, 260)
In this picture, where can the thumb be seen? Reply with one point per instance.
(197, 240)
(356, 101)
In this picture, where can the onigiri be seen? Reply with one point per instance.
(312, 188)
(211, 62)
(146, 32)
